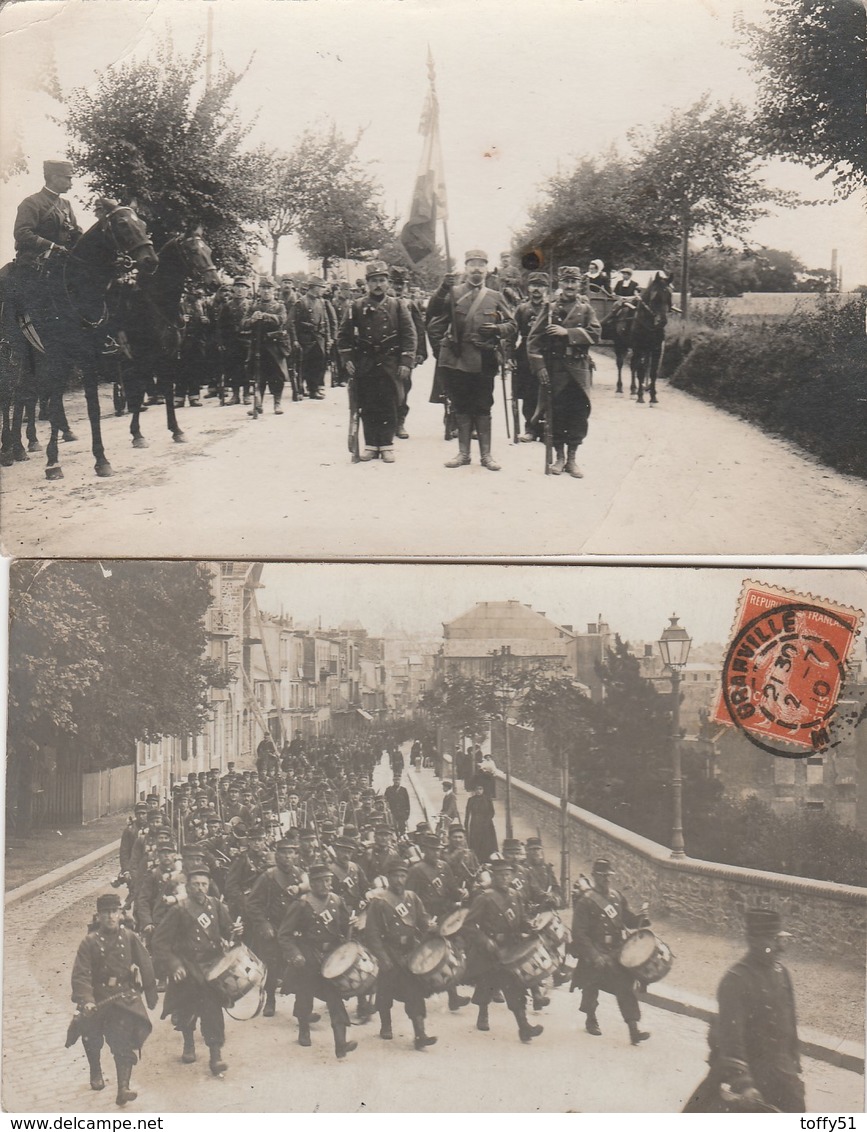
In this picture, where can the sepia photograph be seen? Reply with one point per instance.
(429, 838)
(256, 250)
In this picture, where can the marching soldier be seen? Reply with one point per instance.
(526, 384)
(270, 897)
(375, 859)
(190, 939)
(754, 1061)
(106, 991)
(350, 883)
(543, 889)
(266, 321)
(497, 919)
(437, 887)
(466, 346)
(559, 357)
(158, 890)
(128, 838)
(377, 342)
(191, 371)
(396, 924)
(463, 861)
(399, 289)
(599, 922)
(314, 925)
(234, 339)
(313, 331)
(244, 871)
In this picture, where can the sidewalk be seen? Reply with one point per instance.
(28, 858)
(830, 996)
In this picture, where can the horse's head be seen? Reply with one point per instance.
(197, 259)
(128, 233)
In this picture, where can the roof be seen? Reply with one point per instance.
(505, 622)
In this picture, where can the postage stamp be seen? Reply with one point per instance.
(785, 669)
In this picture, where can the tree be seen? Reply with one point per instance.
(699, 174)
(726, 271)
(457, 702)
(155, 134)
(810, 60)
(323, 193)
(593, 212)
(100, 659)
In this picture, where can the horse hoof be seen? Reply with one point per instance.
(103, 469)
(54, 472)
(120, 412)
(6, 459)
(139, 442)
(69, 438)
(19, 453)
(34, 446)
(179, 438)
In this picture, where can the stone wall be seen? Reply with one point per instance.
(827, 919)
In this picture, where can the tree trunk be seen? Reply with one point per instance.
(684, 265)
(275, 243)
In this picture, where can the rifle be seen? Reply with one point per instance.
(354, 414)
(256, 411)
(549, 397)
(501, 353)
(516, 411)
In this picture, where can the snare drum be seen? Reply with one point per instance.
(351, 968)
(437, 964)
(530, 961)
(453, 922)
(553, 931)
(236, 973)
(647, 958)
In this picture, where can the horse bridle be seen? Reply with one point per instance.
(124, 255)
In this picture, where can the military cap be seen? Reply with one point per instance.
(511, 843)
(761, 921)
(192, 851)
(166, 845)
(398, 274)
(141, 807)
(56, 169)
(376, 267)
(315, 281)
(569, 273)
(534, 842)
(316, 872)
(107, 901)
(153, 796)
(191, 777)
(349, 831)
(539, 277)
(239, 830)
(327, 826)
(267, 283)
(429, 841)
(199, 871)
(475, 253)
(164, 835)
(240, 281)
(345, 843)
(256, 831)
(499, 863)
(395, 865)
(286, 843)
(382, 828)
(423, 827)
(308, 835)
(602, 865)
(214, 819)
(456, 827)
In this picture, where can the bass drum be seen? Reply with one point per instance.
(553, 931)
(351, 968)
(530, 961)
(438, 964)
(236, 973)
(647, 958)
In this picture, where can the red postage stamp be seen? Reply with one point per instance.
(785, 669)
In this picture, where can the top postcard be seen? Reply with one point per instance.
(588, 279)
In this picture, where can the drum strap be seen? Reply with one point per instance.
(606, 906)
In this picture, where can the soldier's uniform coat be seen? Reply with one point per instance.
(312, 929)
(396, 925)
(568, 364)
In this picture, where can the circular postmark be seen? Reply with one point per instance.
(783, 674)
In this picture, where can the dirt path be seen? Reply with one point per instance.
(679, 478)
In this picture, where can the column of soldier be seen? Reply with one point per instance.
(334, 900)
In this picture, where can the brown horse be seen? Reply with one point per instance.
(648, 333)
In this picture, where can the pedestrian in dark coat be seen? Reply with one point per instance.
(754, 1060)
(525, 384)
(108, 997)
(397, 799)
(479, 823)
(270, 898)
(313, 331)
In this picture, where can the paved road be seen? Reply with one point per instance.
(679, 478)
(564, 1070)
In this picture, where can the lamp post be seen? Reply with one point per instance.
(674, 649)
(499, 662)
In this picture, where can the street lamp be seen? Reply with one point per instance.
(674, 650)
(499, 662)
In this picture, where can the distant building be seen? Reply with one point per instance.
(505, 629)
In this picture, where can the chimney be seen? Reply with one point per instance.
(591, 627)
(834, 285)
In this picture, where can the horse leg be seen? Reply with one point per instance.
(33, 444)
(619, 358)
(19, 452)
(91, 395)
(167, 390)
(655, 361)
(639, 376)
(53, 470)
(6, 457)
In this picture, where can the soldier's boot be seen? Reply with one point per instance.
(386, 455)
(304, 1032)
(215, 1061)
(270, 1005)
(591, 1025)
(482, 1022)
(124, 1093)
(189, 1054)
(636, 1035)
(364, 1010)
(97, 1081)
(571, 467)
(385, 1030)
(540, 1000)
(422, 1041)
(236, 398)
(526, 1032)
(456, 1001)
(560, 462)
(483, 424)
(277, 406)
(465, 428)
(341, 1046)
(368, 454)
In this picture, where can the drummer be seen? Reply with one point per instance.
(186, 944)
(435, 883)
(314, 925)
(599, 922)
(544, 892)
(462, 860)
(351, 885)
(397, 922)
(522, 883)
(267, 903)
(497, 920)
(376, 858)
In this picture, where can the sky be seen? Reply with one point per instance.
(525, 87)
(635, 601)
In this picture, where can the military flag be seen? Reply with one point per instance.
(418, 235)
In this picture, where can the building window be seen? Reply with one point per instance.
(815, 806)
(815, 771)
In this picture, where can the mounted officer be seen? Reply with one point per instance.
(45, 226)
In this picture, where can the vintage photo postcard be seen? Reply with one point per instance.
(585, 279)
(291, 838)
